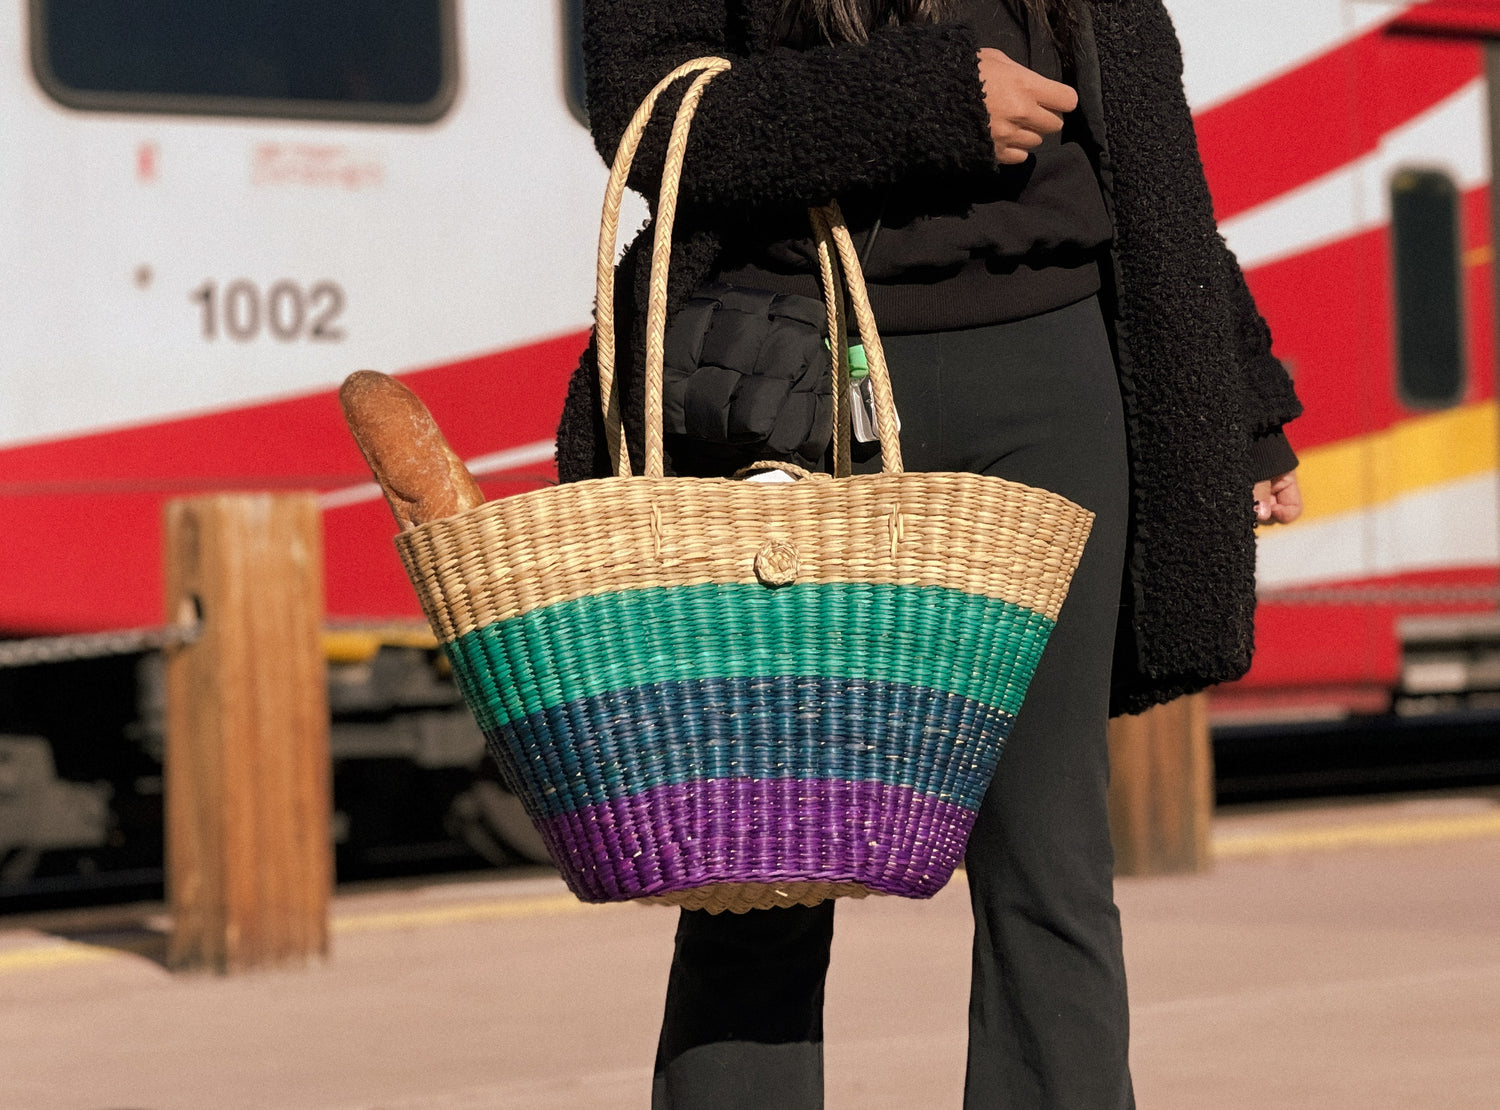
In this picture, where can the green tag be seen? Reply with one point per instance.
(859, 366)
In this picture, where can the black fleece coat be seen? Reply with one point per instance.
(786, 128)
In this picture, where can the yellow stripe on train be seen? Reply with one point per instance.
(1369, 470)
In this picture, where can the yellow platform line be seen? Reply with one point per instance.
(61, 954)
(1382, 834)
(551, 905)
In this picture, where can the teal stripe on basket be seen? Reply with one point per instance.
(931, 637)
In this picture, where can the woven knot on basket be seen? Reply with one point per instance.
(777, 563)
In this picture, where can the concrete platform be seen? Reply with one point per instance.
(1337, 956)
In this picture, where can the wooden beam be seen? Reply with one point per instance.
(1161, 792)
(249, 855)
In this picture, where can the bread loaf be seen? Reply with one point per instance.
(421, 477)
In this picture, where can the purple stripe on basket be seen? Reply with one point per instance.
(890, 838)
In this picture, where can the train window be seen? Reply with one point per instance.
(388, 61)
(1429, 299)
(573, 59)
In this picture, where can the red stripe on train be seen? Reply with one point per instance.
(1331, 311)
(1464, 18)
(84, 548)
(1324, 114)
(1353, 644)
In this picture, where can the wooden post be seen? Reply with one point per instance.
(1161, 792)
(249, 856)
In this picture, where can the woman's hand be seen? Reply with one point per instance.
(1023, 105)
(1278, 500)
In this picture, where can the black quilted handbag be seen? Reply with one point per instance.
(747, 377)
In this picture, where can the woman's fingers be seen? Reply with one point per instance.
(1288, 498)
(1264, 499)
(1017, 147)
(1054, 96)
(1278, 500)
(1037, 123)
(1023, 105)
(1044, 121)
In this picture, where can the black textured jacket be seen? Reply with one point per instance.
(787, 128)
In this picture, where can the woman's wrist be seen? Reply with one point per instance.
(1271, 455)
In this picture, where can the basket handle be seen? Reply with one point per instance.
(838, 261)
(833, 237)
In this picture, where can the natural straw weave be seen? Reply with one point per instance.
(735, 695)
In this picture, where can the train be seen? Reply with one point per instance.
(212, 213)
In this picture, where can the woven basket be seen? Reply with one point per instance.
(734, 695)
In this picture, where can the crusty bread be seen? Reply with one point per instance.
(420, 475)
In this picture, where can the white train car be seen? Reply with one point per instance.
(213, 212)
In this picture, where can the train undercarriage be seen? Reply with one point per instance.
(81, 750)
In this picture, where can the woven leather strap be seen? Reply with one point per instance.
(838, 262)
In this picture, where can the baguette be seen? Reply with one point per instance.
(421, 477)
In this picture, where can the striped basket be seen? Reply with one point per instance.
(735, 695)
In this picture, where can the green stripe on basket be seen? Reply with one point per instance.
(915, 635)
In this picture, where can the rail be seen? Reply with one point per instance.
(40, 650)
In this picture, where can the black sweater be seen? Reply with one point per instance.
(1009, 242)
(787, 128)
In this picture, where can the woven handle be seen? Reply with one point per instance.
(833, 238)
(838, 261)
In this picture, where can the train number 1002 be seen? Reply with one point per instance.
(286, 311)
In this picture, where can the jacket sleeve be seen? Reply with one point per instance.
(786, 127)
(1270, 401)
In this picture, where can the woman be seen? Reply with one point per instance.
(1058, 309)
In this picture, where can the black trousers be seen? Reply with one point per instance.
(1036, 401)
